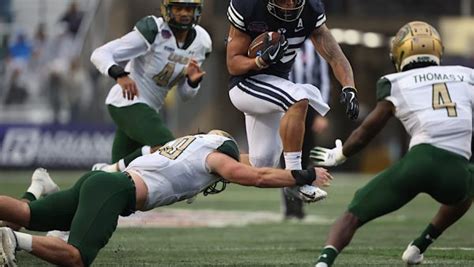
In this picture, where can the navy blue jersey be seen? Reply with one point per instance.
(253, 18)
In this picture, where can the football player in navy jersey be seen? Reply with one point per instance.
(275, 108)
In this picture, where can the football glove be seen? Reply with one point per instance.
(349, 98)
(273, 53)
(328, 157)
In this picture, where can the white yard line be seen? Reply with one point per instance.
(164, 218)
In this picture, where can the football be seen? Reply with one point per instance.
(261, 42)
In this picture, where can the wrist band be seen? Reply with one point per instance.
(304, 177)
(348, 86)
(117, 71)
(260, 63)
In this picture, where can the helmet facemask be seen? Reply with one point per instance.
(416, 44)
(166, 11)
(287, 14)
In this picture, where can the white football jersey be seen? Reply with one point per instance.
(434, 104)
(155, 60)
(178, 170)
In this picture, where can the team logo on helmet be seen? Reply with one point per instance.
(416, 42)
(287, 14)
(171, 20)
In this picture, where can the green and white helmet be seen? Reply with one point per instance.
(169, 18)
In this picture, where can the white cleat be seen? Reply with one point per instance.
(7, 247)
(41, 177)
(412, 255)
(321, 264)
(307, 193)
(105, 167)
(63, 235)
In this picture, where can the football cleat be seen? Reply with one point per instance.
(63, 235)
(105, 167)
(42, 179)
(8, 246)
(307, 193)
(412, 255)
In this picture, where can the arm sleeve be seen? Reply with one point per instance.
(319, 12)
(119, 51)
(235, 14)
(384, 91)
(185, 90)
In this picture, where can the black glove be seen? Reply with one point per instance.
(349, 98)
(273, 53)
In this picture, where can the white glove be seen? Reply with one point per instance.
(328, 157)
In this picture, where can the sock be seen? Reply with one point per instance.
(426, 238)
(24, 241)
(29, 196)
(121, 165)
(146, 150)
(328, 255)
(292, 160)
(35, 189)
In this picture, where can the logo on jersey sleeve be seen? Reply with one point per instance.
(300, 26)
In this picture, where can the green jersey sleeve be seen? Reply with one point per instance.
(230, 148)
(147, 28)
(384, 88)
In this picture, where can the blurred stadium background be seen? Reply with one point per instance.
(51, 97)
(52, 114)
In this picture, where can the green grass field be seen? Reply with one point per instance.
(380, 243)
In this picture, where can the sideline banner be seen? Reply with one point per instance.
(71, 146)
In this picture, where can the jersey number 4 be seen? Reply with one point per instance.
(442, 99)
(163, 78)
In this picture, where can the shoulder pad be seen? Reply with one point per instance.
(204, 38)
(230, 148)
(148, 28)
(317, 6)
(384, 88)
(239, 11)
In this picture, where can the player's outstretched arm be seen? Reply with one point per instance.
(358, 139)
(236, 172)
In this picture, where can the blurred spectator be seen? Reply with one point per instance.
(73, 18)
(5, 11)
(79, 91)
(21, 48)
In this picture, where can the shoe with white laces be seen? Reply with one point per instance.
(64, 235)
(8, 246)
(307, 193)
(105, 167)
(412, 255)
(41, 181)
